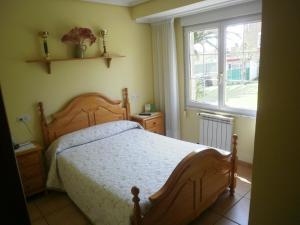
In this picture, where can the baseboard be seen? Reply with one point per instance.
(246, 164)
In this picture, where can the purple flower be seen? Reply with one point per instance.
(78, 35)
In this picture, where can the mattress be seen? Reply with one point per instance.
(98, 166)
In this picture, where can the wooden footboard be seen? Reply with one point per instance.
(194, 185)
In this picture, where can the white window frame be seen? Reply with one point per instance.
(221, 25)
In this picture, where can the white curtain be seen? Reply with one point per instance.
(166, 93)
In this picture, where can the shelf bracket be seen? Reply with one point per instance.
(48, 65)
(108, 62)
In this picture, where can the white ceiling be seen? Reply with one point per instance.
(119, 2)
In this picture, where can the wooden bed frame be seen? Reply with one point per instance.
(194, 185)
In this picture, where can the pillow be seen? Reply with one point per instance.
(93, 133)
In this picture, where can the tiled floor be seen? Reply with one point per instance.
(57, 209)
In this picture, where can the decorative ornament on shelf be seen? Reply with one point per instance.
(45, 35)
(105, 54)
(103, 34)
(79, 36)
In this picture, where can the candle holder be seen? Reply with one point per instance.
(44, 35)
(103, 34)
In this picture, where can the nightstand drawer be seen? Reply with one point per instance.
(157, 130)
(153, 123)
(33, 184)
(31, 172)
(29, 159)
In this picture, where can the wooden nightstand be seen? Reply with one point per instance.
(31, 169)
(154, 123)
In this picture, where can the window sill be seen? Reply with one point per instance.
(221, 112)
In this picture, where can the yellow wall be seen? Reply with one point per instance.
(25, 84)
(244, 126)
(156, 6)
(275, 186)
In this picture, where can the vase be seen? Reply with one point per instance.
(80, 50)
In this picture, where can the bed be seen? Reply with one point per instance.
(97, 155)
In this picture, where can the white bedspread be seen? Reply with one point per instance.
(98, 166)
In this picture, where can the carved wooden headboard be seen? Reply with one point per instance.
(83, 111)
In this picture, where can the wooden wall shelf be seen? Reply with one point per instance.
(48, 62)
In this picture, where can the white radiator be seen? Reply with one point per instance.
(216, 131)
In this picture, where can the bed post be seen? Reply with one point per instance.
(137, 217)
(233, 164)
(126, 103)
(44, 125)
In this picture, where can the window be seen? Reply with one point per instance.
(222, 65)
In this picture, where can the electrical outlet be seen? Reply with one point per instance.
(23, 118)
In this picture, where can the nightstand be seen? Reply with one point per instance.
(154, 123)
(31, 169)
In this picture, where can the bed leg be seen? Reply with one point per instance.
(137, 217)
(233, 165)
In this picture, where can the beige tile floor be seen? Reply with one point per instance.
(57, 209)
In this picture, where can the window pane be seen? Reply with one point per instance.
(252, 33)
(210, 64)
(242, 65)
(197, 68)
(204, 66)
(234, 38)
(234, 66)
(204, 42)
(204, 90)
(242, 95)
(252, 66)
